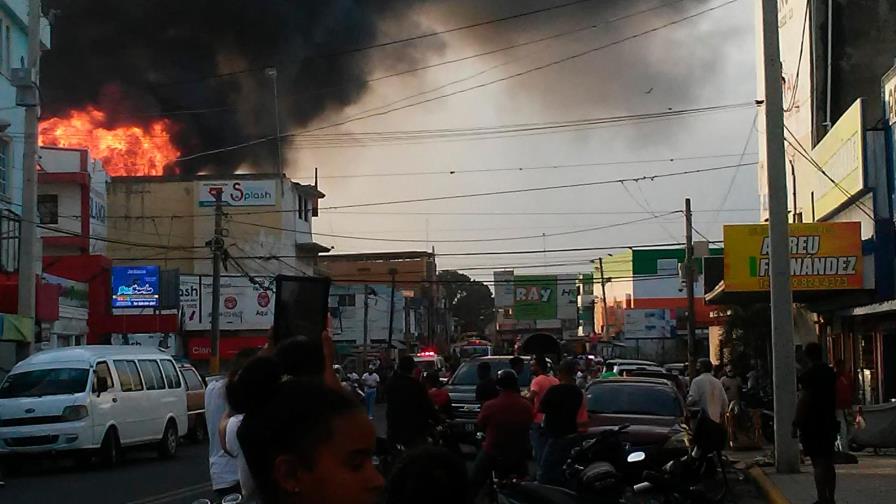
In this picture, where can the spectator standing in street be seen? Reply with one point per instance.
(506, 421)
(222, 467)
(409, 411)
(429, 474)
(844, 404)
(708, 394)
(541, 382)
(370, 381)
(309, 443)
(816, 422)
(486, 390)
(563, 406)
(518, 365)
(732, 384)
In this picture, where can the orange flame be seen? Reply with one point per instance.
(124, 151)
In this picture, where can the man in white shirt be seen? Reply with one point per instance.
(708, 393)
(222, 467)
(371, 381)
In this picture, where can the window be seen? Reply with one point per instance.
(102, 370)
(192, 379)
(48, 208)
(152, 374)
(172, 378)
(667, 266)
(5, 168)
(345, 300)
(128, 376)
(44, 382)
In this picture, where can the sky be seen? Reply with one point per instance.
(708, 60)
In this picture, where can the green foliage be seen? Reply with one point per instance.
(470, 301)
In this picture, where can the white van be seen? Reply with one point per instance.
(93, 398)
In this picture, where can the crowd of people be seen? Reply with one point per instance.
(284, 430)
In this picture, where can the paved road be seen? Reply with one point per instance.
(141, 479)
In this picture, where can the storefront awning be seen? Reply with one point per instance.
(16, 328)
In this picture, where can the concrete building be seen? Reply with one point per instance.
(418, 314)
(537, 313)
(646, 304)
(13, 48)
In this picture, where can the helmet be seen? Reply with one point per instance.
(507, 380)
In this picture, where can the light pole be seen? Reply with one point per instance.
(271, 72)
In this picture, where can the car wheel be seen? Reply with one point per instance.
(168, 443)
(110, 449)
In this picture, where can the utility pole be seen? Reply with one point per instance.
(603, 293)
(392, 273)
(786, 449)
(217, 244)
(28, 242)
(272, 73)
(366, 312)
(689, 280)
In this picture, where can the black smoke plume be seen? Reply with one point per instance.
(137, 59)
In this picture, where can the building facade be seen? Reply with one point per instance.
(644, 310)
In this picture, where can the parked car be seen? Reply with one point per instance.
(638, 371)
(196, 428)
(462, 390)
(652, 407)
(612, 364)
(95, 398)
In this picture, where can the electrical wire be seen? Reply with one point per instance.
(468, 240)
(740, 160)
(538, 189)
(355, 50)
(457, 92)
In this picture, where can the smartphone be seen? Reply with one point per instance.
(301, 307)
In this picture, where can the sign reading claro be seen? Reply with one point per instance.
(823, 256)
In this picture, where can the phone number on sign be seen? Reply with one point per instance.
(838, 282)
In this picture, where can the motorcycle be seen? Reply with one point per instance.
(599, 469)
(696, 478)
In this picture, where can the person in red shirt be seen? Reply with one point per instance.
(438, 395)
(539, 387)
(506, 421)
(844, 399)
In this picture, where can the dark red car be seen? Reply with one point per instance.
(652, 407)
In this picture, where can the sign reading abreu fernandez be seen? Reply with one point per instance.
(825, 255)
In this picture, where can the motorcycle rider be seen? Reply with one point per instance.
(563, 406)
(505, 421)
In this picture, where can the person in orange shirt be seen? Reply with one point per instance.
(541, 382)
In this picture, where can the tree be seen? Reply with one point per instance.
(470, 301)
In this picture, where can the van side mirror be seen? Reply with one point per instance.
(102, 385)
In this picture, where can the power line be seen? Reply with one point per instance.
(468, 240)
(538, 189)
(740, 160)
(525, 214)
(457, 92)
(355, 50)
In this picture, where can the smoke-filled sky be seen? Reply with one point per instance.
(147, 56)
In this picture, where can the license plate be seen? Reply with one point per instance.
(469, 427)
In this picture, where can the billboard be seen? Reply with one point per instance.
(535, 297)
(237, 192)
(841, 155)
(648, 323)
(824, 255)
(135, 286)
(503, 289)
(243, 304)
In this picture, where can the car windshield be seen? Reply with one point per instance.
(633, 399)
(466, 375)
(44, 382)
(473, 351)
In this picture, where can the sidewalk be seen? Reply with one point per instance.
(871, 481)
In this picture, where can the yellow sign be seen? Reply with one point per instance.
(841, 155)
(825, 255)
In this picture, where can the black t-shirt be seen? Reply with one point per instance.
(818, 385)
(560, 405)
(486, 391)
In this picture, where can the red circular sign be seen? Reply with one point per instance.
(230, 302)
(264, 299)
